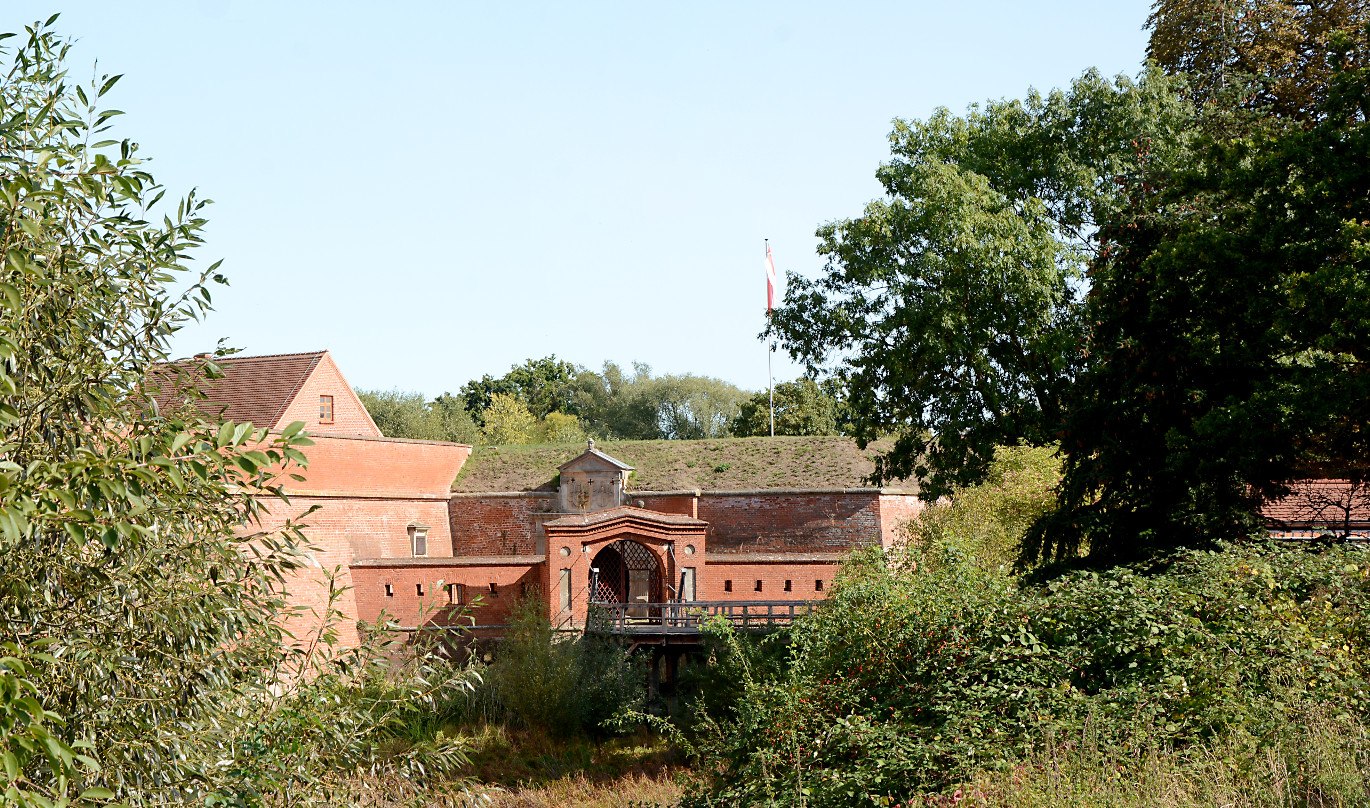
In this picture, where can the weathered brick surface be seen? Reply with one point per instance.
(344, 530)
(772, 575)
(793, 522)
(686, 504)
(896, 511)
(485, 606)
(497, 525)
(349, 415)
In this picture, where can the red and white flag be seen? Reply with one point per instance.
(770, 279)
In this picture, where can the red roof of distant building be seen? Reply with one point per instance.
(1320, 503)
(252, 388)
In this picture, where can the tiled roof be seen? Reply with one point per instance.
(623, 512)
(1320, 503)
(252, 388)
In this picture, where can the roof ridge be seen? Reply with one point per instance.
(236, 358)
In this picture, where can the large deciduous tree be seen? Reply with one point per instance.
(1230, 339)
(951, 307)
(1265, 54)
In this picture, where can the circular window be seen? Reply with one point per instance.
(565, 551)
(689, 549)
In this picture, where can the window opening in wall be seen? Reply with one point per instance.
(418, 540)
(456, 594)
(418, 589)
(494, 590)
(818, 585)
(389, 591)
(727, 586)
(687, 583)
(789, 585)
(325, 409)
(564, 589)
(758, 584)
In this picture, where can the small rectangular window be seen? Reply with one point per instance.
(758, 584)
(389, 591)
(494, 590)
(564, 587)
(818, 585)
(456, 594)
(789, 585)
(325, 409)
(419, 541)
(418, 589)
(727, 586)
(687, 583)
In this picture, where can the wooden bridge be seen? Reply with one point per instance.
(680, 623)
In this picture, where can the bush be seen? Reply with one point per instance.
(914, 681)
(566, 686)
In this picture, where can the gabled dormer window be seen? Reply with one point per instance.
(325, 409)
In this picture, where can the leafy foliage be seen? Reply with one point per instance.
(1269, 54)
(909, 681)
(544, 386)
(984, 524)
(1230, 339)
(144, 657)
(952, 306)
(640, 406)
(568, 686)
(402, 414)
(802, 407)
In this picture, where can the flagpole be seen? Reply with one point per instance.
(770, 353)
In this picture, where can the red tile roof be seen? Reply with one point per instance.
(252, 388)
(623, 512)
(1321, 504)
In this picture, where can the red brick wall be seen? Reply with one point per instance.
(496, 525)
(409, 609)
(685, 504)
(379, 467)
(344, 530)
(772, 575)
(349, 416)
(896, 510)
(822, 522)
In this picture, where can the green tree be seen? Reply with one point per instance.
(141, 604)
(802, 407)
(507, 420)
(691, 407)
(1261, 53)
(544, 385)
(952, 308)
(119, 526)
(401, 414)
(1231, 339)
(616, 404)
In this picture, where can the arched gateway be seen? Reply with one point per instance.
(625, 572)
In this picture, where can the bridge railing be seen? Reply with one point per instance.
(687, 617)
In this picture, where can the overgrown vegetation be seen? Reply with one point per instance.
(143, 655)
(914, 680)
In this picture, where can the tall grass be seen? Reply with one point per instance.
(1322, 761)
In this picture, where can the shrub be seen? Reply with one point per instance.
(913, 681)
(563, 685)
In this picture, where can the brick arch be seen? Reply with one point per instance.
(624, 572)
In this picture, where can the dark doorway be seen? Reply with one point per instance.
(628, 573)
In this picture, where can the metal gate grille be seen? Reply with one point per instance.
(628, 572)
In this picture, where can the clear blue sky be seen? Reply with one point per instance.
(435, 191)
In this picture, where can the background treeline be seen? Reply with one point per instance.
(551, 401)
